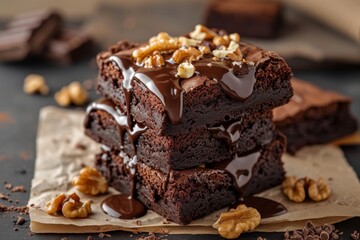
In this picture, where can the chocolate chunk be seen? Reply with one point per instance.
(27, 34)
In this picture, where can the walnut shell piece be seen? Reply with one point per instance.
(90, 181)
(54, 206)
(236, 221)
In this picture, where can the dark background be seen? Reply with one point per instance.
(19, 112)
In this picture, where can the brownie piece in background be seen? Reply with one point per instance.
(314, 116)
(28, 34)
(202, 96)
(250, 18)
(68, 46)
(203, 145)
(182, 196)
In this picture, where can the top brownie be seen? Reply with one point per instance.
(177, 84)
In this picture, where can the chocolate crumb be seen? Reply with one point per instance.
(19, 188)
(16, 229)
(355, 235)
(81, 146)
(313, 232)
(104, 235)
(151, 236)
(8, 186)
(20, 221)
(4, 197)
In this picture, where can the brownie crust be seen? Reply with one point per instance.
(183, 196)
(184, 150)
(202, 96)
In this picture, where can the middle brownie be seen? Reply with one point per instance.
(182, 151)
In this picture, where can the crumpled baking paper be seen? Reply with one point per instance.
(62, 149)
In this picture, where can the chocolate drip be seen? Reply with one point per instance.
(230, 132)
(123, 206)
(266, 207)
(236, 80)
(121, 119)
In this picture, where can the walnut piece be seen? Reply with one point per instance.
(202, 33)
(221, 40)
(185, 70)
(54, 206)
(232, 51)
(236, 221)
(189, 54)
(318, 190)
(35, 83)
(297, 189)
(294, 189)
(90, 181)
(235, 37)
(74, 208)
(154, 61)
(74, 93)
(188, 42)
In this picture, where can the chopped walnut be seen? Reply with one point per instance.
(54, 206)
(232, 51)
(74, 208)
(235, 37)
(318, 190)
(74, 93)
(297, 189)
(202, 33)
(188, 42)
(221, 40)
(90, 182)
(185, 70)
(204, 49)
(190, 54)
(154, 61)
(35, 83)
(162, 36)
(294, 189)
(236, 221)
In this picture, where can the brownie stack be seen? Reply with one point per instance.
(187, 146)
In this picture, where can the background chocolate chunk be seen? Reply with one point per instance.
(27, 34)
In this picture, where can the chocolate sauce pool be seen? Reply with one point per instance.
(123, 206)
(266, 207)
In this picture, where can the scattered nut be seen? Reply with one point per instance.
(236, 221)
(35, 83)
(232, 51)
(221, 40)
(202, 33)
(190, 54)
(54, 206)
(318, 190)
(90, 182)
(185, 70)
(204, 49)
(188, 42)
(235, 37)
(74, 93)
(74, 208)
(162, 36)
(297, 189)
(294, 189)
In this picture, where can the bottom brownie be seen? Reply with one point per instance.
(185, 195)
(313, 116)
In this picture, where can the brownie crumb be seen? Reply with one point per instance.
(4, 197)
(19, 188)
(355, 235)
(81, 146)
(20, 221)
(19, 209)
(312, 232)
(151, 236)
(16, 229)
(104, 235)
(8, 186)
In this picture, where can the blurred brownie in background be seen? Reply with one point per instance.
(27, 34)
(313, 116)
(250, 18)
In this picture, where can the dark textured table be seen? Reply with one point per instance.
(19, 118)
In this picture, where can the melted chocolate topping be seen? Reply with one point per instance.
(167, 87)
(123, 206)
(133, 130)
(266, 207)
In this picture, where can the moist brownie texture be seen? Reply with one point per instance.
(252, 18)
(203, 145)
(314, 116)
(182, 196)
(263, 74)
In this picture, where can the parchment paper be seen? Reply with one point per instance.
(59, 158)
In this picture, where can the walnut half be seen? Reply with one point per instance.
(236, 221)
(90, 181)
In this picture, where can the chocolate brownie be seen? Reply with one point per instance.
(182, 196)
(203, 145)
(314, 116)
(250, 18)
(68, 46)
(27, 34)
(219, 90)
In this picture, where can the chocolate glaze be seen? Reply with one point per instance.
(123, 206)
(124, 123)
(266, 207)
(228, 132)
(167, 87)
